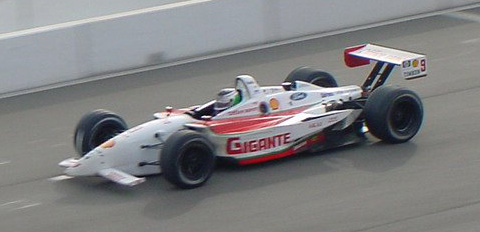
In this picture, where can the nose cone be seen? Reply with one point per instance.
(89, 165)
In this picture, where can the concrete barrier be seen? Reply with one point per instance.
(18, 15)
(180, 31)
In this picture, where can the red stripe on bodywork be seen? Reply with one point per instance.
(266, 157)
(242, 124)
(290, 151)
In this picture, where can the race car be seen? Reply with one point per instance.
(250, 124)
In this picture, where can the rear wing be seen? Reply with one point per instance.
(413, 65)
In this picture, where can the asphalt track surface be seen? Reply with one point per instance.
(429, 184)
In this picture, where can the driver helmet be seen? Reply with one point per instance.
(226, 98)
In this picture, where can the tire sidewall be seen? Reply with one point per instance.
(378, 113)
(176, 148)
(90, 125)
(313, 76)
(416, 121)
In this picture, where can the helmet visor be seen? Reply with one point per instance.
(226, 98)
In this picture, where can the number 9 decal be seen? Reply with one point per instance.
(423, 65)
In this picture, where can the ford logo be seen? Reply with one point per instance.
(298, 96)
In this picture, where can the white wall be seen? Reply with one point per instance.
(18, 15)
(169, 33)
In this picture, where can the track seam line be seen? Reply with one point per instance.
(12, 202)
(26, 206)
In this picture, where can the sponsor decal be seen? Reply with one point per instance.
(242, 111)
(415, 63)
(108, 144)
(423, 65)
(333, 119)
(298, 96)
(300, 145)
(263, 108)
(236, 145)
(327, 95)
(315, 124)
(414, 68)
(274, 104)
(346, 91)
(411, 73)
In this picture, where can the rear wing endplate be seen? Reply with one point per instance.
(413, 65)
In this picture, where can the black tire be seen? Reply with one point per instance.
(313, 76)
(187, 159)
(393, 114)
(96, 127)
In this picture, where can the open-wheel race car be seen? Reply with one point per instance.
(250, 124)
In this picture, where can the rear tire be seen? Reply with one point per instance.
(393, 114)
(95, 128)
(312, 76)
(187, 159)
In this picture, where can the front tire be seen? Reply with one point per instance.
(312, 76)
(187, 159)
(393, 114)
(95, 128)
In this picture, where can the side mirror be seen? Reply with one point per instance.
(206, 118)
(288, 86)
(169, 110)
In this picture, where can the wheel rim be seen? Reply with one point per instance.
(194, 163)
(404, 117)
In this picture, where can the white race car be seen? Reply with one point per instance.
(251, 124)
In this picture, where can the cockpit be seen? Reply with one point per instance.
(245, 88)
